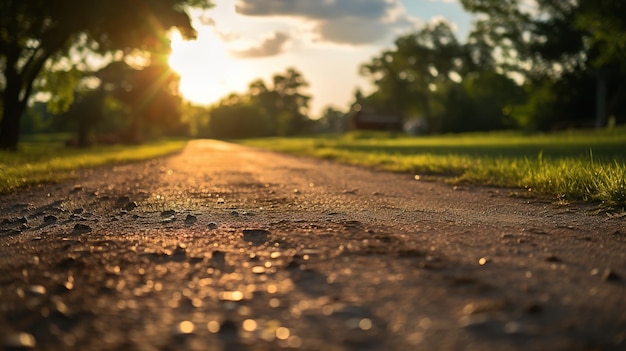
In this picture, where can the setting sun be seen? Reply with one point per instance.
(207, 71)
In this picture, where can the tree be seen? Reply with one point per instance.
(483, 101)
(36, 33)
(407, 76)
(279, 108)
(557, 41)
(332, 121)
(149, 93)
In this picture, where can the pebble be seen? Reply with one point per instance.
(212, 225)
(82, 228)
(181, 248)
(553, 258)
(50, 219)
(131, 205)
(190, 219)
(37, 289)
(20, 341)
(184, 327)
(168, 213)
(471, 321)
(255, 235)
(610, 275)
(218, 257)
(122, 201)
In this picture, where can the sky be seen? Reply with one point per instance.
(240, 41)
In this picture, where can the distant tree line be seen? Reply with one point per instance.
(278, 108)
(559, 64)
(542, 65)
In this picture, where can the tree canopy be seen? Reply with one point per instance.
(562, 48)
(543, 65)
(278, 108)
(36, 35)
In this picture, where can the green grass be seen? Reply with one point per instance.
(45, 159)
(568, 166)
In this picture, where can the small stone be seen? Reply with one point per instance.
(131, 205)
(190, 219)
(255, 235)
(78, 211)
(553, 258)
(212, 225)
(484, 305)
(183, 328)
(122, 201)
(228, 327)
(218, 257)
(181, 248)
(258, 269)
(483, 261)
(37, 289)
(610, 276)
(533, 308)
(473, 321)
(81, 228)
(234, 213)
(168, 213)
(220, 201)
(17, 341)
(50, 219)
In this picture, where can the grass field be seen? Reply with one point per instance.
(45, 158)
(567, 166)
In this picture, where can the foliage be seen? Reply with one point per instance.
(574, 48)
(40, 35)
(278, 109)
(42, 159)
(332, 121)
(454, 87)
(566, 166)
(149, 95)
(537, 65)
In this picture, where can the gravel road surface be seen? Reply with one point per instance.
(224, 247)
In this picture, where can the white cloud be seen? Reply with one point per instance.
(270, 46)
(354, 22)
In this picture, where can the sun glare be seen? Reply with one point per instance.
(207, 71)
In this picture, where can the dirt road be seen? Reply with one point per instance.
(223, 247)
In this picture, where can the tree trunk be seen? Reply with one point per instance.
(12, 110)
(83, 132)
(10, 127)
(601, 99)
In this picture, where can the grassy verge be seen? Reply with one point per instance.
(569, 166)
(41, 160)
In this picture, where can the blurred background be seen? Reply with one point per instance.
(126, 73)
